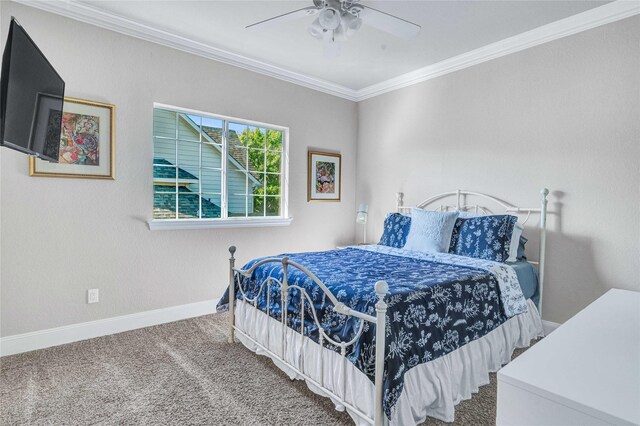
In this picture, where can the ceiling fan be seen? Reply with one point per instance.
(337, 20)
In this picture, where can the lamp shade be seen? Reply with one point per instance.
(329, 18)
(316, 29)
(362, 215)
(351, 24)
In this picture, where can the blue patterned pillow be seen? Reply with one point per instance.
(396, 229)
(462, 216)
(455, 233)
(483, 237)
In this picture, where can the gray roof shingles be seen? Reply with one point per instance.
(236, 150)
(160, 172)
(164, 204)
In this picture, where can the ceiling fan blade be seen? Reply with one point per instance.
(285, 17)
(388, 23)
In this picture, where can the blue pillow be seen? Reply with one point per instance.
(430, 231)
(455, 233)
(396, 229)
(485, 237)
(521, 244)
(462, 216)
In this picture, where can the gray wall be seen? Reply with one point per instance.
(63, 236)
(564, 115)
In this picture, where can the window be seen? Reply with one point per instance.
(217, 168)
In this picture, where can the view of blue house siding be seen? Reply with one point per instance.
(197, 160)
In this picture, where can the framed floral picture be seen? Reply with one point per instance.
(324, 176)
(87, 143)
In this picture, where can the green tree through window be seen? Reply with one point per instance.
(265, 157)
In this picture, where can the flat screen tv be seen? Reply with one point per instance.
(31, 98)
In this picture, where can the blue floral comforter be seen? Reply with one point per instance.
(436, 303)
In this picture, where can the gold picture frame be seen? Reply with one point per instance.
(324, 176)
(87, 144)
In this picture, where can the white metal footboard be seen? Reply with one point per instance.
(381, 289)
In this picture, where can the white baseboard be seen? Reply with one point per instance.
(549, 326)
(26, 342)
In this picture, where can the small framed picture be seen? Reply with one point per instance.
(87, 143)
(325, 176)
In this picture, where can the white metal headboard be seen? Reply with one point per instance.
(461, 205)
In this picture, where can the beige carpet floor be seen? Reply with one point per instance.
(176, 374)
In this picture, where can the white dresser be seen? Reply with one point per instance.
(587, 372)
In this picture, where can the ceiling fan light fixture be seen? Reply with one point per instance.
(316, 30)
(351, 24)
(340, 34)
(340, 19)
(329, 18)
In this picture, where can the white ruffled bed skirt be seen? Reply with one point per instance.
(430, 389)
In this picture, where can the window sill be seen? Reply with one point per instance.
(173, 224)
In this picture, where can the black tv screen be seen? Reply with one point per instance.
(31, 98)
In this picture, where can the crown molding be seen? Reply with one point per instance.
(587, 20)
(608, 13)
(110, 21)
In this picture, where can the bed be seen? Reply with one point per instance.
(443, 320)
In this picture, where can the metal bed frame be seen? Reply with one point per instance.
(381, 289)
(461, 205)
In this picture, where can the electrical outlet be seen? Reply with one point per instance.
(92, 295)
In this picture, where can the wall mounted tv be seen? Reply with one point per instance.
(31, 98)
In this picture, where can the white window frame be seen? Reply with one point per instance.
(224, 221)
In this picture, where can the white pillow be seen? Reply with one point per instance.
(468, 215)
(515, 241)
(430, 231)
